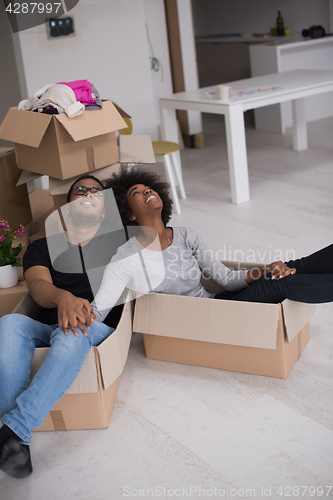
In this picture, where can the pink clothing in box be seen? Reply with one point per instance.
(83, 91)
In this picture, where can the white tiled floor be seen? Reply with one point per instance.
(176, 426)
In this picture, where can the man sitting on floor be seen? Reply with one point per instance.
(65, 322)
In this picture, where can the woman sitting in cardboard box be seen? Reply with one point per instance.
(143, 201)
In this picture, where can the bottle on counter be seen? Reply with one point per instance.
(279, 25)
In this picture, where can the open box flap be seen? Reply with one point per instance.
(27, 306)
(113, 351)
(232, 264)
(220, 321)
(296, 315)
(85, 382)
(27, 176)
(58, 186)
(92, 123)
(24, 127)
(121, 111)
(136, 149)
(213, 287)
(5, 151)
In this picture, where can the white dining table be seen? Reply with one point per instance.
(294, 86)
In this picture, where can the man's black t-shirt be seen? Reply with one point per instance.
(92, 257)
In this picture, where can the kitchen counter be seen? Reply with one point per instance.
(250, 38)
(307, 53)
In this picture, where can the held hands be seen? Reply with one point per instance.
(279, 269)
(74, 312)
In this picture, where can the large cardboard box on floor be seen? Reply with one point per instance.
(14, 201)
(263, 339)
(89, 401)
(63, 147)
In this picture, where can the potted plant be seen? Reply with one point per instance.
(9, 260)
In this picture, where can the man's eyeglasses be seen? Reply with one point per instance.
(82, 190)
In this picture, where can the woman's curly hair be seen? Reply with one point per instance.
(126, 178)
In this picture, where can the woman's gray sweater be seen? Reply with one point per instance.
(175, 270)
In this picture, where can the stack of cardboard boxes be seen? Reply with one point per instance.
(63, 149)
(14, 208)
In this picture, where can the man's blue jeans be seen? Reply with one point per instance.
(24, 405)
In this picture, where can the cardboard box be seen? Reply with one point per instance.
(14, 201)
(63, 147)
(42, 205)
(58, 187)
(89, 402)
(36, 236)
(10, 297)
(263, 339)
(43, 202)
(132, 149)
(136, 149)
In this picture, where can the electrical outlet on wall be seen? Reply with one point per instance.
(60, 27)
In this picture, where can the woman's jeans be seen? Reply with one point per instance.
(312, 283)
(24, 405)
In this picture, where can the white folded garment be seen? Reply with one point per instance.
(56, 95)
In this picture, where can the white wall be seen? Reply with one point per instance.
(10, 89)
(110, 49)
(156, 22)
(330, 6)
(257, 16)
(189, 58)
